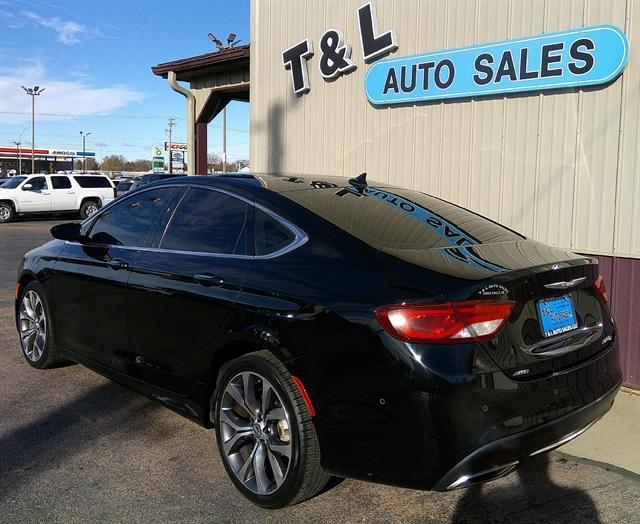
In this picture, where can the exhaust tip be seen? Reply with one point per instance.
(483, 476)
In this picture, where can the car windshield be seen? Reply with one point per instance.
(14, 182)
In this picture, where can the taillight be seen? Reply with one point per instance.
(445, 322)
(601, 290)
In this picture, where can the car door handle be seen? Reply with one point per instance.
(117, 263)
(208, 279)
(71, 192)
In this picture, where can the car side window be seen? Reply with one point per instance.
(38, 183)
(60, 182)
(207, 221)
(131, 222)
(269, 234)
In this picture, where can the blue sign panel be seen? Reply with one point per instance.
(581, 57)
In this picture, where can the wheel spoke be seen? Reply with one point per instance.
(275, 414)
(281, 449)
(249, 385)
(238, 424)
(278, 472)
(242, 472)
(259, 460)
(28, 333)
(28, 306)
(236, 393)
(230, 444)
(267, 391)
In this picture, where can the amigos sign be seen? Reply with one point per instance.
(575, 58)
(583, 57)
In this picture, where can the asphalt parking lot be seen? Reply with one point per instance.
(75, 447)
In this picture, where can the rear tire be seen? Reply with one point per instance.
(36, 329)
(265, 435)
(6, 212)
(88, 208)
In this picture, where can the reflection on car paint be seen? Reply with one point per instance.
(460, 241)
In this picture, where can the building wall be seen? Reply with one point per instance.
(560, 167)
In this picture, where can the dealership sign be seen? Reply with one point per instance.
(574, 58)
(584, 57)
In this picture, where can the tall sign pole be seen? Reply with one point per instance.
(171, 122)
(224, 139)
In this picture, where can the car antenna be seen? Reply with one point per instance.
(360, 180)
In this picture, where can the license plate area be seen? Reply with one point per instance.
(557, 315)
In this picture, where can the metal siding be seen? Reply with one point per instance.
(627, 234)
(622, 278)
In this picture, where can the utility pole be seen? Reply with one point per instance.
(33, 92)
(84, 156)
(18, 144)
(224, 139)
(170, 123)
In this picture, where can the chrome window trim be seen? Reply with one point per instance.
(300, 237)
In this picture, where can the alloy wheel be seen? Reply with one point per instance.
(91, 209)
(5, 213)
(33, 326)
(254, 426)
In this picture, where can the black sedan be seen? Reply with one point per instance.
(327, 326)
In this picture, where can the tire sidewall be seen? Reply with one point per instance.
(296, 469)
(42, 362)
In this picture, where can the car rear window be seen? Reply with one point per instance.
(92, 181)
(396, 218)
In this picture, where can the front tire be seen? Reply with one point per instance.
(36, 331)
(265, 435)
(6, 212)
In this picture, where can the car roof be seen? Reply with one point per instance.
(277, 183)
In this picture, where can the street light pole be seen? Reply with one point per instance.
(33, 92)
(84, 156)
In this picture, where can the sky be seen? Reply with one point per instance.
(94, 58)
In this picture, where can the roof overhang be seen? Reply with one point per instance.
(186, 69)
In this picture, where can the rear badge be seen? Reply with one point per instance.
(493, 290)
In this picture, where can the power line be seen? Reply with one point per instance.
(131, 117)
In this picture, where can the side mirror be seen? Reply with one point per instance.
(27, 187)
(68, 231)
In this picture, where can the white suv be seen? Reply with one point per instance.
(54, 193)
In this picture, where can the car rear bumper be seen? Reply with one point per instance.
(499, 458)
(424, 417)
